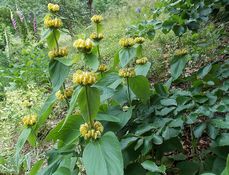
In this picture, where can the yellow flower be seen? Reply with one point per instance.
(97, 19)
(126, 42)
(139, 40)
(61, 52)
(68, 92)
(59, 95)
(52, 23)
(84, 78)
(143, 60)
(96, 37)
(91, 132)
(181, 52)
(102, 68)
(83, 45)
(53, 7)
(98, 126)
(29, 120)
(127, 72)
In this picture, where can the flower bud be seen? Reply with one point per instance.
(53, 7)
(29, 120)
(97, 19)
(143, 60)
(181, 52)
(126, 42)
(96, 37)
(102, 68)
(59, 95)
(84, 78)
(127, 72)
(139, 40)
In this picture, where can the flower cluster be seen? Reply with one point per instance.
(127, 72)
(83, 45)
(66, 94)
(102, 68)
(181, 52)
(97, 19)
(96, 37)
(139, 40)
(29, 120)
(84, 78)
(61, 52)
(53, 7)
(52, 23)
(143, 60)
(59, 95)
(126, 42)
(92, 132)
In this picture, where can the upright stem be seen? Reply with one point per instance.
(179, 42)
(99, 54)
(57, 45)
(97, 29)
(88, 107)
(128, 91)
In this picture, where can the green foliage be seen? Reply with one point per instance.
(178, 127)
(101, 158)
(89, 102)
(23, 67)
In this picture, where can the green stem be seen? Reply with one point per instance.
(179, 42)
(99, 54)
(128, 91)
(57, 45)
(97, 29)
(88, 107)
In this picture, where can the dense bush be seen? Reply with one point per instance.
(119, 118)
(172, 128)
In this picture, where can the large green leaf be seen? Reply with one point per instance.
(204, 71)
(161, 89)
(126, 55)
(45, 111)
(103, 157)
(22, 139)
(179, 30)
(168, 102)
(198, 130)
(223, 139)
(73, 102)
(69, 132)
(58, 72)
(91, 60)
(36, 167)
(188, 167)
(62, 171)
(111, 80)
(142, 69)
(177, 66)
(107, 117)
(152, 167)
(226, 170)
(140, 86)
(89, 101)
(52, 38)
